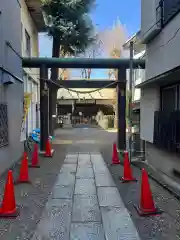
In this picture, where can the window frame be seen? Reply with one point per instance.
(28, 43)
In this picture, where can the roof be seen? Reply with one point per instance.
(140, 54)
(34, 8)
(134, 38)
(168, 78)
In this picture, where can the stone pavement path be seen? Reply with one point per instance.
(85, 204)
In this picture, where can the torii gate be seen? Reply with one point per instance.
(120, 85)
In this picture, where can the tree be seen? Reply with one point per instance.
(71, 29)
(116, 53)
(92, 52)
(113, 40)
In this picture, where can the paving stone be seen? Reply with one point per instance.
(96, 156)
(84, 159)
(55, 222)
(99, 166)
(63, 191)
(86, 231)
(84, 172)
(65, 179)
(109, 196)
(71, 160)
(84, 156)
(86, 209)
(67, 167)
(118, 224)
(104, 180)
(72, 155)
(85, 187)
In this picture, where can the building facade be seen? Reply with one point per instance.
(31, 23)
(11, 84)
(18, 23)
(160, 90)
(75, 106)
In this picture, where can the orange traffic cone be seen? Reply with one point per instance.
(127, 170)
(147, 206)
(24, 175)
(25, 156)
(8, 207)
(35, 159)
(49, 151)
(115, 159)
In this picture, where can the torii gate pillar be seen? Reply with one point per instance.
(121, 110)
(44, 108)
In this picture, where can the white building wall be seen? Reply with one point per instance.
(149, 104)
(163, 52)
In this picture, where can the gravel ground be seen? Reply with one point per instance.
(161, 227)
(31, 198)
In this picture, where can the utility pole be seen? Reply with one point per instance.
(130, 98)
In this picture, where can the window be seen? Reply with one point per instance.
(169, 96)
(28, 43)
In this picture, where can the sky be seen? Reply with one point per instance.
(103, 16)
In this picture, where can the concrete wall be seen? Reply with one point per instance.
(163, 52)
(148, 17)
(148, 105)
(10, 29)
(162, 160)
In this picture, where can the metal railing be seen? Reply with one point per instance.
(167, 130)
(169, 8)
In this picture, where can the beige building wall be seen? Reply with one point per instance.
(29, 26)
(31, 75)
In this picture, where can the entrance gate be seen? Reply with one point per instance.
(120, 85)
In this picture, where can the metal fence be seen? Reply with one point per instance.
(3, 125)
(167, 130)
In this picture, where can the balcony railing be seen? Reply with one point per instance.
(169, 8)
(167, 130)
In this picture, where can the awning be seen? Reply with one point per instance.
(170, 77)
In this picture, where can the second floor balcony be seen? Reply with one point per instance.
(169, 9)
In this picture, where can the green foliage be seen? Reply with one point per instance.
(68, 20)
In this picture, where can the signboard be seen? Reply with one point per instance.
(26, 105)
